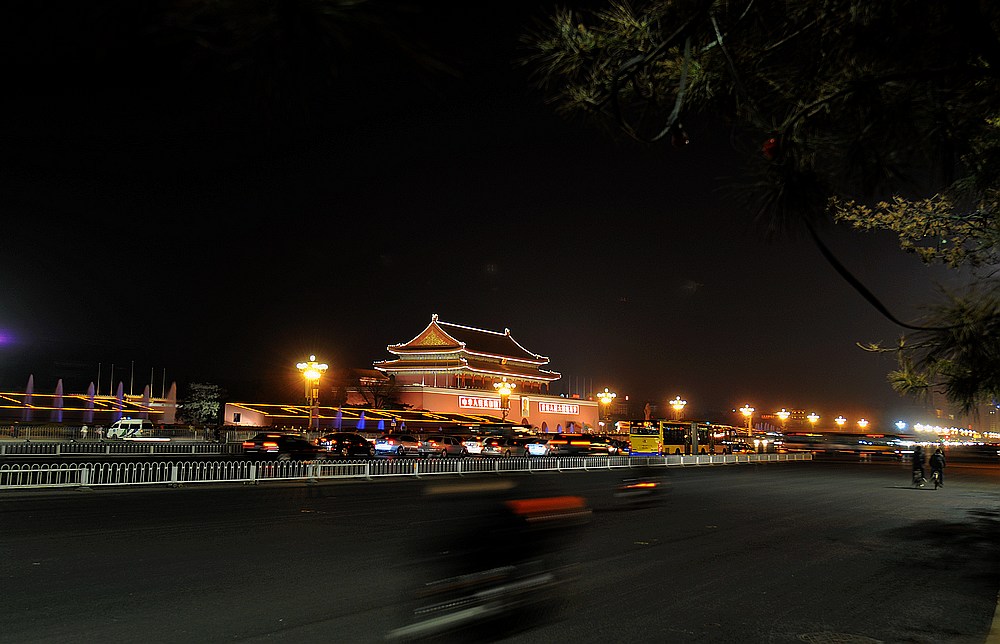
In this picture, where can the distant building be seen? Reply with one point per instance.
(452, 368)
(442, 378)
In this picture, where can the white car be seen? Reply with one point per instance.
(397, 445)
(539, 447)
(505, 447)
(473, 445)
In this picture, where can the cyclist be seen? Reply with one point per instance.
(937, 465)
(918, 465)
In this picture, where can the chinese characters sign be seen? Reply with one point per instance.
(559, 408)
(475, 402)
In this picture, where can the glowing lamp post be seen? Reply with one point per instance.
(504, 388)
(747, 412)
(311, 372)
(678, 406)
(840, 420)
(606, 397)
(813, 418)
(862, 423)
(783, 415)
(900, 425)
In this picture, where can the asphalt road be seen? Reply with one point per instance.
(826, 551)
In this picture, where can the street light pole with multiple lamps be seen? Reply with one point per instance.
(678, 406)
(606, 397)
(783, 415)
(504, 388)
(747, 412)
(312, 371)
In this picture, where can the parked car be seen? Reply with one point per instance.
(570, 444)
(282, 447)
(397, 445)
(538, 447)
(609, 445)
(623, 447)
(503, 446)
(602, 446)
(441, 445)
(737, 447)
(346, 444)
(473, 445)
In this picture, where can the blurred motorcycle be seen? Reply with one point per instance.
(511, 574)
(640, 491)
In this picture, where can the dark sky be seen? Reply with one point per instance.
(221, 212)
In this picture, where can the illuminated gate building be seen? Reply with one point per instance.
(453, 368)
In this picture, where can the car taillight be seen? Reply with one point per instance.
(270, 445)
(247, 444)
(579, 442)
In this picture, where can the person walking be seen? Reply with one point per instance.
(83, 433)
(917, 461)
(937, 465)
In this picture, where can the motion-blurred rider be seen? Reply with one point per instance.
(918, 464)
(937, 464)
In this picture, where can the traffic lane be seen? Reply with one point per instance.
(793, 553)
(195, 564)
(201, 548)
(206, 563)
(691, 571)
(953, 456)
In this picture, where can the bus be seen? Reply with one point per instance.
(674, 437)
(643, 438)
(861, 444)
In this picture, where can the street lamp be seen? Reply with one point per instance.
(312, 371)
(678, 405)
(812, 418)
(504, 388)
(862, 423)
(783, 415)
(900, 425)
(747, 412)
(606, 397)
(840, 420)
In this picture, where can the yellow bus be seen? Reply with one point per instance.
(643, 438)
(671, 437)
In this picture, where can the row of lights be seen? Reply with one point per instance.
(954, 431)
(678, 404)
(784, 414)
(312, 371)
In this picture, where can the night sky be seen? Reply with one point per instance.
(183, 207)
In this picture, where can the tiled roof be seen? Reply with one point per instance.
(448, 337)
(510, 369)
